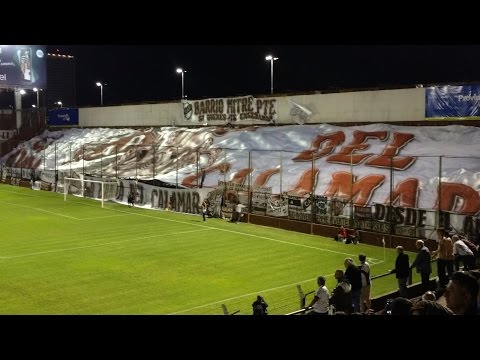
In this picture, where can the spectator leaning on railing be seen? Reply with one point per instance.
(462, 253)
(320, 300)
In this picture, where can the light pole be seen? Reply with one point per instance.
(22, 92)
(38, 96)
(179, 70)
(101, 92)
(271, 59)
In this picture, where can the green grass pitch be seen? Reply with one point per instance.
(76, 257)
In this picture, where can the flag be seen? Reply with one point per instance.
(383, 240)
(298, 110)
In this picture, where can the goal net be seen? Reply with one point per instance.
(103, 190)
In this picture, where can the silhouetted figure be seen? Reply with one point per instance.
(204, 209)
(260, 306)
(131, 200)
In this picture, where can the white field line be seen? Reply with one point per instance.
(97, 245)
(213, 228)
(290, 243)
(250, 294)
(103, 217)
(242, 233)
(19, 193)
(39, 209)
(372, 261)
(244, 295)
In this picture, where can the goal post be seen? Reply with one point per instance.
(96, 189)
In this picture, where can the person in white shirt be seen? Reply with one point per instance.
(320, 300)
(462, 253)
(364, 267)
(237, 213)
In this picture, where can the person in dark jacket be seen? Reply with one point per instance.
(204, 209)
(401, 271)
(423, 264)
(354, 276)
(260, 306)
(131, 199)
(341, 298)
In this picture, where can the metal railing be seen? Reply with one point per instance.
(381, 299)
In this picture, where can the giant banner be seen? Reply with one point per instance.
(452, 101)
(380, 175)
(23, 66)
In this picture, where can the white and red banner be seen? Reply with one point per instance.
(366, 165)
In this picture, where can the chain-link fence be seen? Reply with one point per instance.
(402, 195)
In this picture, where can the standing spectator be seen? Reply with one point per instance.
(237, 212)
(320, 300)
(32, 177)
(364, 267)
(422, 264)
(473, 248)
(131, 199)
(444, 254)
(204, 209)
(462, 253)
(354, 276)
(342, 296)
(401, 271)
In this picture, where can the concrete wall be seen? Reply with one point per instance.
(366, 237)
(362, 106)
(164, 114)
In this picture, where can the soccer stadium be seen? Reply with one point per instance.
(205, 206)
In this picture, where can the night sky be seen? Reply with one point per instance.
(143, 73)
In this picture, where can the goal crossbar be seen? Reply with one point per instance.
(83, 181)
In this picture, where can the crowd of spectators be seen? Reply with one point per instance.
(456, 293)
